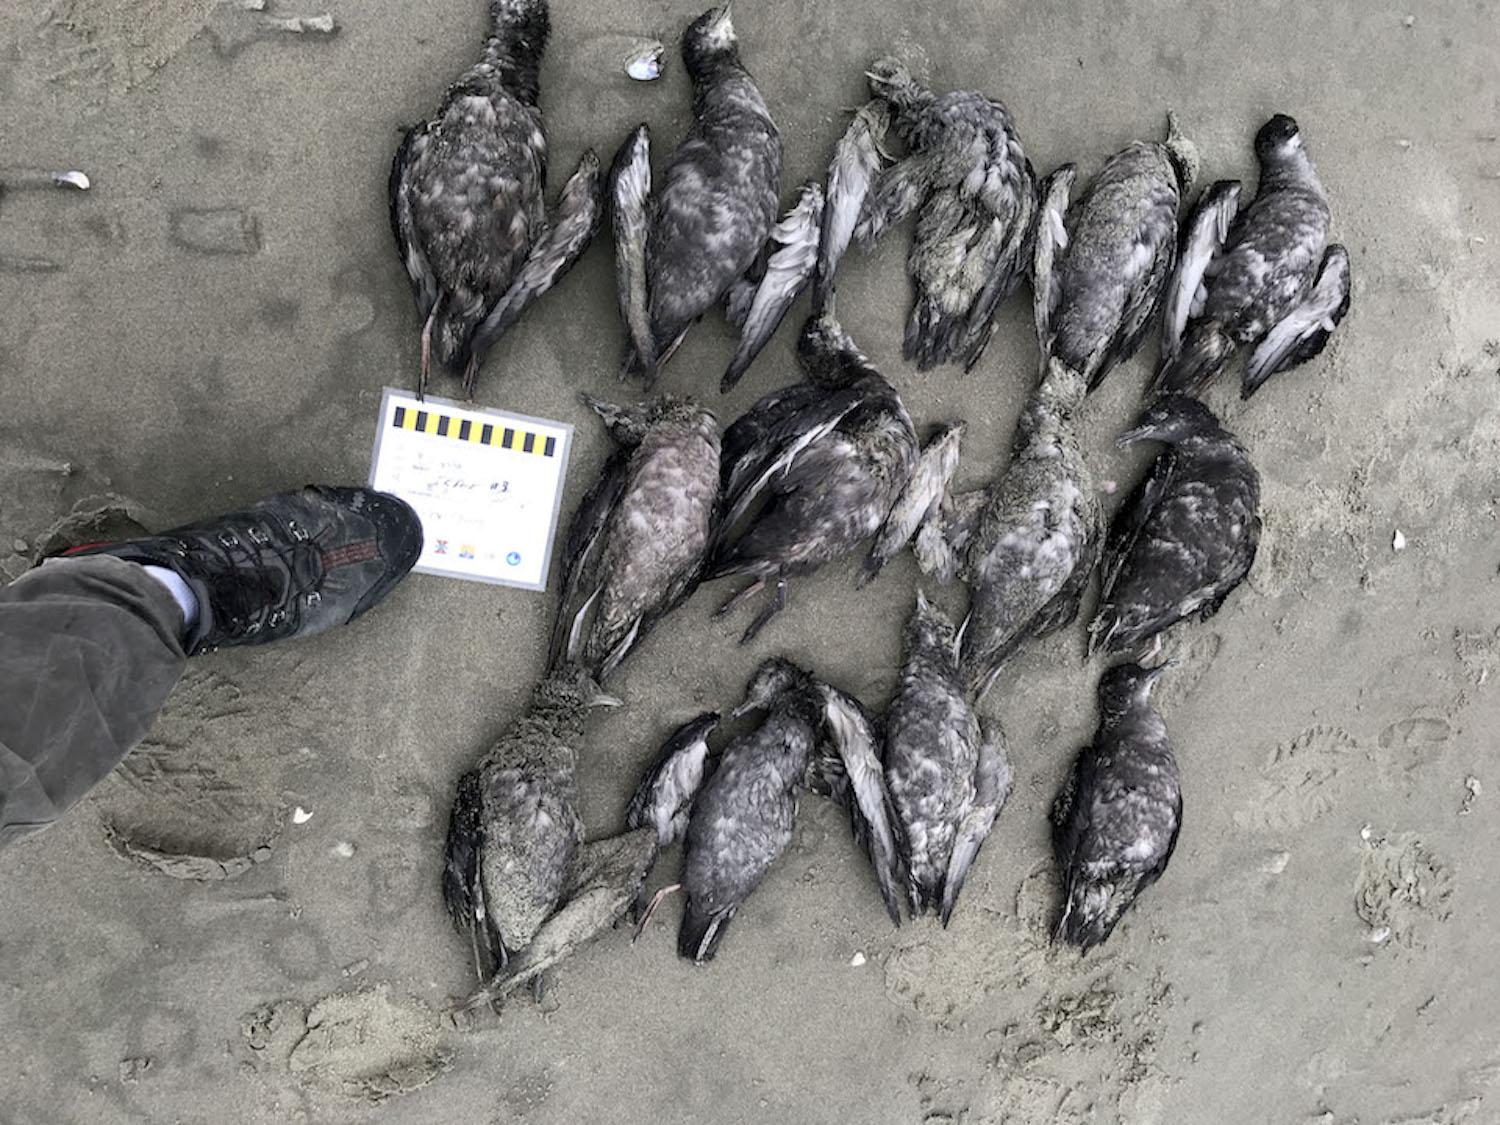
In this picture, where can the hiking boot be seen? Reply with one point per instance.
(289, 566)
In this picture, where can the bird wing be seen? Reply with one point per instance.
(583, 550)
(788, 270)
(898, 192)
(778, 451)
(630, 197)
(920, 500)
(1051, 241)
(579, 213)
(1304, 332)
(943, 539)
(856, 163)
(993, 780)
(408, 241)
(1131, 519)
(1204, 240)
(665, 793)
(463, 891)
(854, 736)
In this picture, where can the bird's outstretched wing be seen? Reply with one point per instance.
(630, 198)
(1304, 331)
(1203, 241)
(854, 736)
(788, 270)
(1051, 241)
(856, 163)
(920, 500)
(662, 799)
(584, 547)
(579, 214)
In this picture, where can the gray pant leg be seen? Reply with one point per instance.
(89, 650)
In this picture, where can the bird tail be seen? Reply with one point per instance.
(933, 335)
(1092, 909)
(1205, 353)
(698, 938)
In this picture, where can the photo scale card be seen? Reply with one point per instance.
(487, 485)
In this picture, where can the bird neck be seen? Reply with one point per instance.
(1292, 168)
(516, 43)
(1052, 404)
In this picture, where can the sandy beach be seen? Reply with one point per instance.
(215, 320)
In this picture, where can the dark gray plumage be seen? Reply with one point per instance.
(742, 820)
(947, 772)
(1115, 823)
(665, 794)
(467, 198)
(514, 833)
(679, 254)
(1186, 537)
(811, 471)
(974, 193)
(638, 542)
(1027, 544)
(1264, 280)
(1110, 254)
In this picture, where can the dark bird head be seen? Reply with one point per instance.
(710, 41)
(518, 39)
(1127, 687)
(828, 354)
(929, 629)
(1278, 138)
(891, 80)
(773, 679)
(571, 688)
(1183, 154)
(1172, 419)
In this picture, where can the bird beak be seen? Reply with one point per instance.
(1154, 674)
(1139, 433)
(1250, 385)
(604, 699)
(745, 708)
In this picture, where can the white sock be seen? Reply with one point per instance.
(181, 593)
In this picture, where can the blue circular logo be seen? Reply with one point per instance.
(514, 558)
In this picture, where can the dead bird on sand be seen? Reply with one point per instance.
(1265, 279)
(1186, 537)
(698, 241)
(1103, 262)
(1115, 823)
(742, 820)
(1026, 544)
(974, 194)
(638, 542)
(467, 199)
(811, 471)
(946, 770)
(515, 852)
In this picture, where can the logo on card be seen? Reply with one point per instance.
(513, 559)
(466, 551)
(441, 548)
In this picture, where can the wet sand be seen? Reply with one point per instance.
(221, 314)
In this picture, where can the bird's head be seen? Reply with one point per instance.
(1125, 687)
(773, 679)
(930, 628)
(1278, 139)
(1183, 154)
(892, 81)
(710, 38)
(1171, 419)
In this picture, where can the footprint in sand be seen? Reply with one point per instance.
(361, 1045)
(1402, 889)
(1296, 780)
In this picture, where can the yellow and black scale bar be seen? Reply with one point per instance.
(485, 433)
